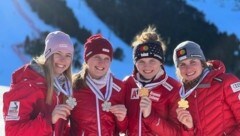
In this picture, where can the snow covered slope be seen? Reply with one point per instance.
(2, 90)
(17, 22)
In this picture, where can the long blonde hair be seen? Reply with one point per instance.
(79, 79)
(47, 66)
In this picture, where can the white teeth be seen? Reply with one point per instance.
(147, 71)
(190, 74)
(99, 68)
(61, 66)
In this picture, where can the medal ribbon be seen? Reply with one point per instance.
(97, 91)
(100, 96)
(150, 85)
(184, 95)
(68, 90)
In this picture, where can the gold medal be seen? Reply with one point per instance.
(183, 104)
(106, 106)
(143, 92)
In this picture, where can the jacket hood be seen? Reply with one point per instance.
(217, 65)
(216, 68)
(26, 73)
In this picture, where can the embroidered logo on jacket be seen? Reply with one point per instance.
(116, 87)
(154, 96)
(134, 93)
(167, 86)
(235, 87)
(13, 111)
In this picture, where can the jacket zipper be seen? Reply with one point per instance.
(199, 122)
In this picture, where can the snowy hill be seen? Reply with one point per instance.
(28, 24)
(2, 90)
(89, 16)
(18, 21)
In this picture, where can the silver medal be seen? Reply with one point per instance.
(71, 102)
(106, 106)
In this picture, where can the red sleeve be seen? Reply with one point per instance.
(122, 125)
(232, 98)
(19, 112)
(168, 125)
(160, 125)
(186, 131)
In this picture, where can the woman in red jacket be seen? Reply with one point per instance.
(35, 104)
(210, 98)
(100, 109)
(151, 95)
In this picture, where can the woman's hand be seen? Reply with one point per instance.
(145, 106)
(60, 111)
(185, 117)
(120, 111)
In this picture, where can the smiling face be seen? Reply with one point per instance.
(148, 67)
(190, 69)
(98, 65)
(61, 61)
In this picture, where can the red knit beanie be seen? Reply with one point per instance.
(96, 44)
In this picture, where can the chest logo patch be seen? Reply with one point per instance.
(13, 111)
(134, 93)
(235, 87)
(154, 96)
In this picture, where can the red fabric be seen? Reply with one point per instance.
(163, 117)
(83, 118)
(29, 89)
(96, 44)
(214, 105)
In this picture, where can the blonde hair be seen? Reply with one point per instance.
(79, 79)
(149, 35)
(47, 66)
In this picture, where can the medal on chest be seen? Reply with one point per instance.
(105, 98)
(71, 102)
(143, 92)
(183, 104)
(106, 106)
(66, 89)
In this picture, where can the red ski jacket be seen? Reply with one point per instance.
(215, 104)
(25, 110)
(163, 118)
(83, 117)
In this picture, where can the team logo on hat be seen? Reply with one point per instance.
(63, 45)
(181, 52)
(144, 48)
(105, 50)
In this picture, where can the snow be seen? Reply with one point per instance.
(119, 68)
(18, 21)
(2, 90)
